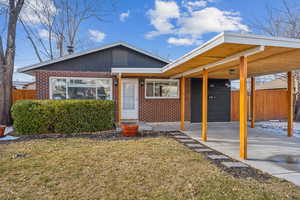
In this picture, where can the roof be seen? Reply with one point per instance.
(220, 56)
(74, 55)
(279, 83)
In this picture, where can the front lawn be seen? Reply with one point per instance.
(151, 168)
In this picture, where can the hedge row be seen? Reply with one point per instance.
(62, 116)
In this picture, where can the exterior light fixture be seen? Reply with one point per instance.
(227, 85)
(232, 72)
(142, 82)
(116, 82)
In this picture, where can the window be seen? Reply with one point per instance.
(80, 88)
(119, 57)
(162, 88)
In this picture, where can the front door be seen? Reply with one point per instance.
(130, 98)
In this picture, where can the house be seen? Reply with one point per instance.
(93, 74)
(19, 84)
(30, 86)
(194, 87)
(276, 84)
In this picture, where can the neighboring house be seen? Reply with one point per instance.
(91, 75)
(30, 86)
(19, 84)
(276, 84)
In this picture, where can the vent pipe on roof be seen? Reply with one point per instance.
(70, 49)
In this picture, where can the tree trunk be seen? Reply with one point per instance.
(7, 62)
(6, 91)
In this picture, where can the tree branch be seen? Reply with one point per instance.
(32, 41)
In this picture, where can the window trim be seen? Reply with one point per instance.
(169, 80)
(84, 78)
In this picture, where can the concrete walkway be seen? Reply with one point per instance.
(275, 154)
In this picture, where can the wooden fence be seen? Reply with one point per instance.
(23, 94)
(270, 105)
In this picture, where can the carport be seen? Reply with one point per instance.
(230, 56)
(237, 56)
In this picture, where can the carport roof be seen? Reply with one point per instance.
(220, 56)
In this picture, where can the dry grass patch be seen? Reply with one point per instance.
(155, 168)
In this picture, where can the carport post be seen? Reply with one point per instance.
(120, 97)
(252, 107)
(243, 107)
(204, 104)
(182, 102)
(290, 104)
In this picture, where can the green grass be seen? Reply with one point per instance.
(156, 168)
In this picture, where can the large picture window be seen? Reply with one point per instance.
(161, 88)
(80, 88)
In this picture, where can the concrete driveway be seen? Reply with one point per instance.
(275, 154)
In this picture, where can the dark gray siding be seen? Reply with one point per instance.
(219, 100)
(101, 61)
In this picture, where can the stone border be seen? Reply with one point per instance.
(234, 167)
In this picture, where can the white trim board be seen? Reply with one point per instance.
(136, 70)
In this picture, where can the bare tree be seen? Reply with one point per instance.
(283, 21)
(7, 58)
(59, 24)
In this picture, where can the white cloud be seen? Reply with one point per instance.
(183, 41)
(161, 16)
(35, 11)
(43, 33)
(187, 24)
(96, 36)
(210, 19)
(124, 16)
(197, 4)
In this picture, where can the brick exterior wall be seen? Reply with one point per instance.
(150, 110)
(162, 110)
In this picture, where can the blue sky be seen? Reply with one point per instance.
(168, 30)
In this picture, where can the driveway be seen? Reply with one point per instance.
(272, 153)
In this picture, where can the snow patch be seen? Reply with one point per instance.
(279, 127)
(8, 137)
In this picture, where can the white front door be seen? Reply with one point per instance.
(130, 98)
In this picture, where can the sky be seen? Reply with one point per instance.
(167, 28)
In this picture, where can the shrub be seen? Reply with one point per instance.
(62, 116)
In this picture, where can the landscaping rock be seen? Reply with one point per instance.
(234, 164)
(194, 145)
(186, 140)
(202, 150)
(218, 157)
(19, 155)
(181, 137)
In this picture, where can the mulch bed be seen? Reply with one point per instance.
(113, 135)
(237, 172)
